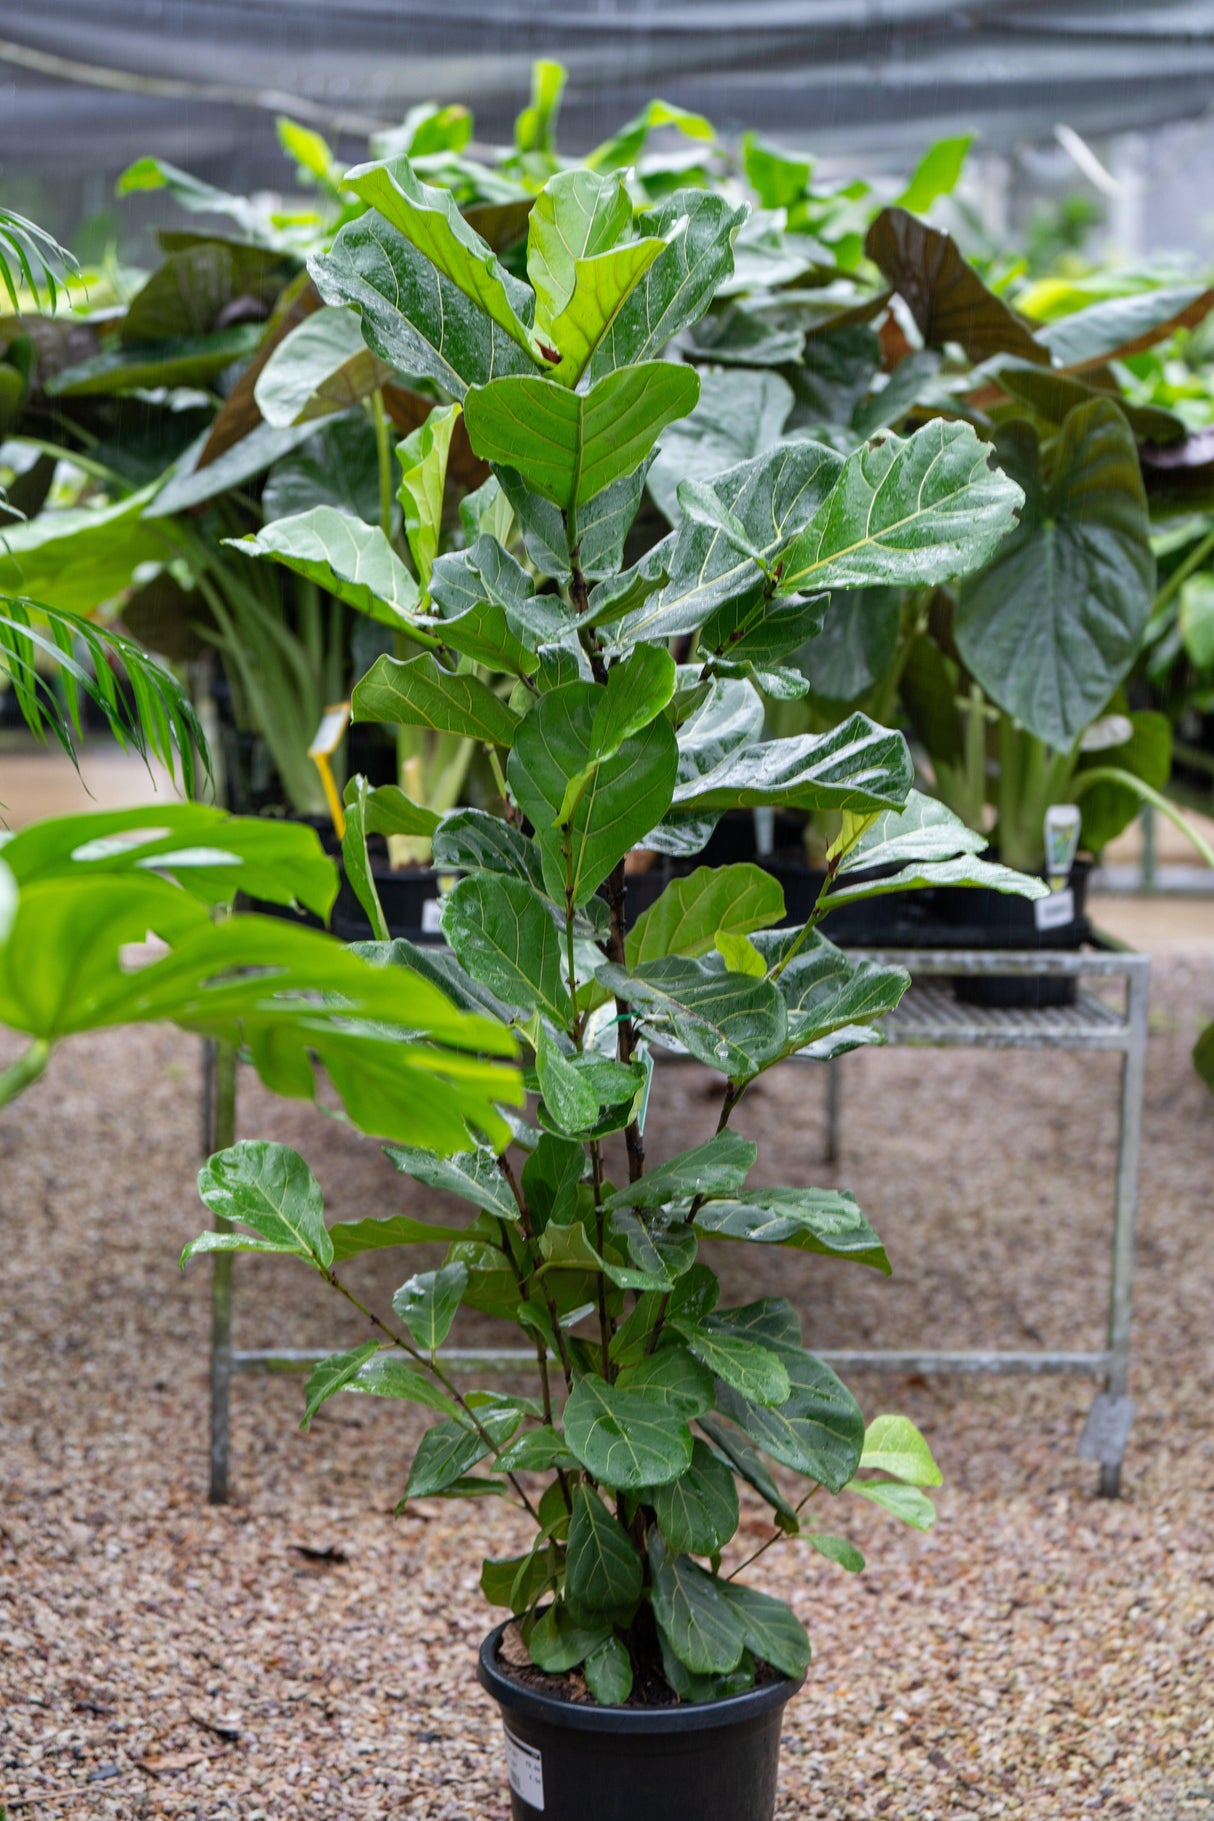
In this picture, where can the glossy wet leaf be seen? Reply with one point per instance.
(569, 446)
(423, 458)
(428, 1303)
(346, 557)
(750, 1368)
(698, 1513)
(603, 1571)
(1118, 327)
(811, 1220)
(693, 1614)
(331, 1375)
(624, 1438)
(475, 1176)
(504, 935)
(719, 1166)
(818, 1431)
(773, 1631)
(698, 229)
(420, 692)
(857, 765)
(687, 916)
(893, 1445)
(321, 367)
(624, 797)
(1053, 623)
(449, 1449)
(608, 1672)
(730, 1022)
(269, 1188)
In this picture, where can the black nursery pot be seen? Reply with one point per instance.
(569, 1761)
(982, 919)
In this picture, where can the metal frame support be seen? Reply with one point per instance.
(928, 1019)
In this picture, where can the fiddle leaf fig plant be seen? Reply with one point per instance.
(655, 1400)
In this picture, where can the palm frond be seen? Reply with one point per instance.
(29, 253)
(152, 716)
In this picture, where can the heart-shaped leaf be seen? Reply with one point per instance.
(1054, 621)
(947, 299)
(697, 230)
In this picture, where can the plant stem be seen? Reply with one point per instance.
(1113, 774)
(605, 1328)
(617, 888)
(528, 1226)
(383, 455)
(25, 1071)
(777, 1536)
(429, 1363)
(1182, 572)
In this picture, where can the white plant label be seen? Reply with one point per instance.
(525, 1770)
(1054, 911)
(432, 917)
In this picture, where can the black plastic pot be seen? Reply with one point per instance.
(570, 1761)
(985, 920)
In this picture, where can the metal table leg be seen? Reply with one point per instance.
(219, 1131)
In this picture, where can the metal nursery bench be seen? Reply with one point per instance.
(929, 1016)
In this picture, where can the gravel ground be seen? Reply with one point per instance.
(1041, 1654)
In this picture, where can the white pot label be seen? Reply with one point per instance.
(431, 918)
(1054, 911)
(525, 1770)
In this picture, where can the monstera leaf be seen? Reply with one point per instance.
(1054, 622)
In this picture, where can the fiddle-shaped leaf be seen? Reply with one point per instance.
(413, 316)
(603, 523)
(698, 1513)
(912, 511)
(418, 692)
(857, 765)
(321, 367)
(347, 558)
(580, 271)
(624, 1438)
(697, 229)
(773, 1631)
(429, 1302)
(269, 1188)
(570, 446)
(738, 416)
(423, 460)
(625, 795)
(691, 911)
(504, 935)
(635, 693)
(603, 1571)
(718, 1167)
(693, 1614)
(730, 1022)
(826, 1221)
(750, 1368)
(817, 1431)
(430, 219)
(475, 1176)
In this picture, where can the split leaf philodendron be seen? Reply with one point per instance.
(620, 707)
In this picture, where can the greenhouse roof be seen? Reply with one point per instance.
(199, 81)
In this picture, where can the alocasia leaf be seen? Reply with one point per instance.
(1054, 621)
(947, 298)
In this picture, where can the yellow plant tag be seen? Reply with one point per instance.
(325, 742)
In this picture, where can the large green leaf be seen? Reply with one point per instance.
(242, 462)
(473, 1175)
(718, 1167)
(390, 1042)
(692, 1613)
(812, 1220)
(624, 797)
(581, 272)
(824, 990)
(749, 1464)
(893, 1445)
(430, 219)
(1054, 622)
(602, 1568)
(699, 229)
(697, 1513)
(338, 466)
(178, 360)
(819, 1431)
(78, 557)
(912, 511)
(449, 1449)
(418, 692)
(412, 315)
(947, 299)
(490, 610)
(691, 910)
(472, 840)
(504, 934)
(206, 852)
(857, 765)
(635, 693)
(1108, 807)
(428, 1304)
(750, 1368)
(189, 291)
(730, 1022)
(321, 367)
(270, 1188)
(602, 525)
(1118, 327)
(348, 558)
(331, 1375)
(570, 446)
(625, 1438)
(773, 1631)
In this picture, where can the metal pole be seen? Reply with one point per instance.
(1149, 849)
(219, 1077)
(1129, 1145)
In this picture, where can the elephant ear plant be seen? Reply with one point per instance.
(653, 1399)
